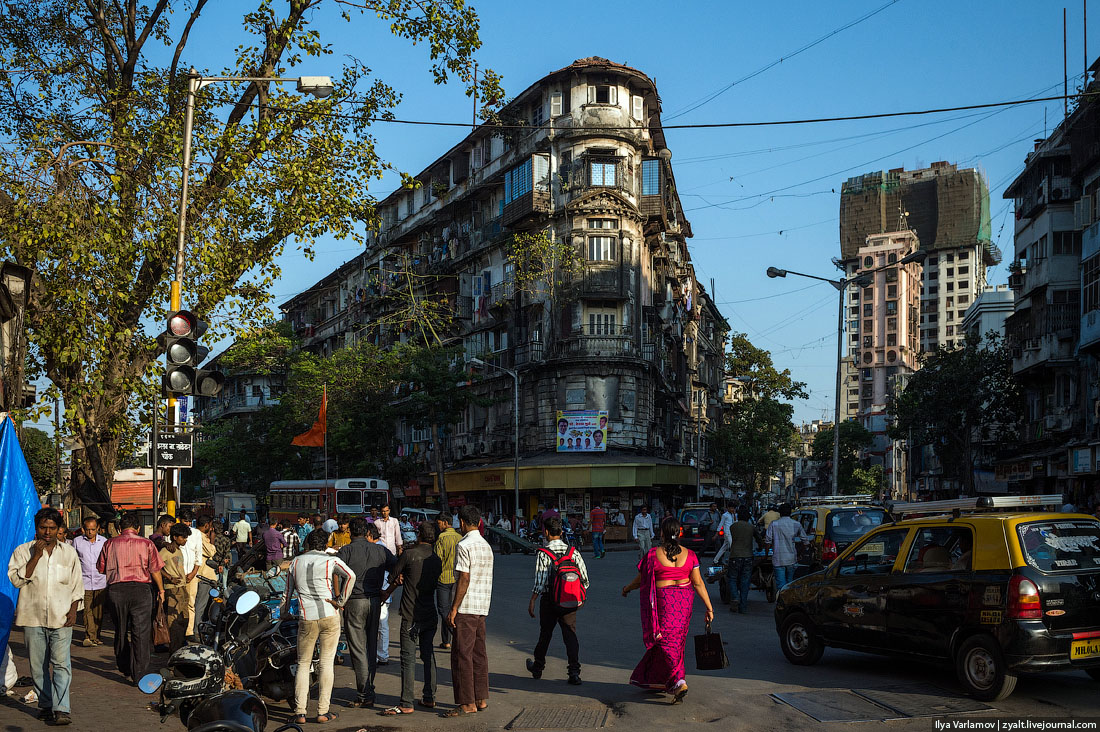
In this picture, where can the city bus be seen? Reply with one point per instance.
(354, 496)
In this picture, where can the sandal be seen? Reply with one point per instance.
(681, 692)
(427, 704)
(299, 719)
(394, 711)
(456, 712)
(326, 718)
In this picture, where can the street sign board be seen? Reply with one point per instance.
(174, 449)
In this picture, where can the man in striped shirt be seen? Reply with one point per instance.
(313, 578)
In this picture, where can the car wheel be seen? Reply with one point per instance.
(1094, 673)
(800, 641)
(505, 547)
(981, 669)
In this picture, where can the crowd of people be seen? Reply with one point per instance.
(343, 573)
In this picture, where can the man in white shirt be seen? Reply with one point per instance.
(504, 523)
(88, 545)
(723, 533)
(473, 594)
(312, 577)
(47, 574)
(389, 536)
(192, 561)
(643, 531)
(242, 536)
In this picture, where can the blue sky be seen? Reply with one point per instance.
(914, 54)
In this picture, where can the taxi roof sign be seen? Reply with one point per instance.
(973, 505)
(829, 500)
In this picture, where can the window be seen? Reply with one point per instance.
(950, 301)
(868, 310)
(603, 223)
(556, 104)
(603, 94)
(891, 307)
(950, 271)
(949, 257)
(601, 248)
(651, 177)
(602, 320)
(891, 339)
(932, 261)
(637, 108)
(963, 299)
(257, 391)
(934, 290)
(891, 258)
(1067, 242)
(933, 275)
(601, 173)
(891, 324)
(517, 182)
(964, 271)
(868, 325)
(950, 286)
(892, 291)
(1091, 283)
(938, 549)
(868, 262)
(950, 315)
(964, 255)
(932, 318)
(950, 328)
(538, 112)
(876, 554)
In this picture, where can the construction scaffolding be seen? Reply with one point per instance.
(945, 207)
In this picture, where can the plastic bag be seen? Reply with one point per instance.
(8, 674)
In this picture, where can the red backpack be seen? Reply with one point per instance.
(567, 589)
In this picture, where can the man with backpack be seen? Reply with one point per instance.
(562, 580)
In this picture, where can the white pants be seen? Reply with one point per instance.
(384, 626)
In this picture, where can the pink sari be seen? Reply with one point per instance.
(666, 615)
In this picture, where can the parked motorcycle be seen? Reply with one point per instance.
(195, 684)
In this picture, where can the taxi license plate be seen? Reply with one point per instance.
(1084, 649)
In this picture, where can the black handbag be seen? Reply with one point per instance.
(710, 655)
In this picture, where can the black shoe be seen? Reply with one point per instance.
(536, 672)
(46, 715)
(61, 719)
(367, 703)
(575, 679)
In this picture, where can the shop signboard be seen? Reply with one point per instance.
(1081, 460)
(582, 431)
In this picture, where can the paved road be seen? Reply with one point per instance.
(737, 698)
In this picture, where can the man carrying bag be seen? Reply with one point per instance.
(562, 580)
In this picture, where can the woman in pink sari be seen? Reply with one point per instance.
(669, 579)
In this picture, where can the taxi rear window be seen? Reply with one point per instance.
(848, 524)
(1058, 546)
(693, 516)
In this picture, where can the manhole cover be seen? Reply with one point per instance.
(558, 717)
(922, 700)
(836, 705)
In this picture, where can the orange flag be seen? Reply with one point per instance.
(315, 435)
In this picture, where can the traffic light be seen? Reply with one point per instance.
(183, 355)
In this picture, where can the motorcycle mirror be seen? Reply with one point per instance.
(150, 683)
(214, 592)
(246, 602)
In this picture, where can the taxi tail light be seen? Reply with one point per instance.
(828, 550)
(1023, 599)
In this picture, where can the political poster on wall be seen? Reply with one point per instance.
(582, 431)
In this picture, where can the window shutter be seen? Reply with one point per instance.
(555, 104)
(613, 95)
(638, 108)
(591, 94)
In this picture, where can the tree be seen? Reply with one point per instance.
(754, 441)
(438, 398)
(867, 481)
(960, 399)
(754, 368)
(546, 270)
(90, 177)
(38, 449)
(854, 438)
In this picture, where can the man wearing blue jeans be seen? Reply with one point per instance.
(781, 537)
(47, 574)
(739, 564)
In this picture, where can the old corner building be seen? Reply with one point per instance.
(638, 335)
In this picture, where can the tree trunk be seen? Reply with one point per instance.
(439, 469)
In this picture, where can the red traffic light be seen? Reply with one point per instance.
(185, 324)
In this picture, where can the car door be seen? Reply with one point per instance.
(929, 596)
(853, 601)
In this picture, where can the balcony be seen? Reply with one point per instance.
(225, 406)
(615, 341)
(1090, 331)
(464, 307)
(1064, 269)
(1043, 334)
(530, 352)
(603, 281)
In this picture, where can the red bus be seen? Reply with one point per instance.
(354, 496)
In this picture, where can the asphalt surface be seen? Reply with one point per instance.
(737, 698)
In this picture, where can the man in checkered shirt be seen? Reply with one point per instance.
(473, 593)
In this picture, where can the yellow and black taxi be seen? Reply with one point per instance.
(993, 586)
(834, 522)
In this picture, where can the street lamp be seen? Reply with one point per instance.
(515, 466)
(318, 86)
(841, 284)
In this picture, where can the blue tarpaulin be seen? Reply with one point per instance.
(18, 504)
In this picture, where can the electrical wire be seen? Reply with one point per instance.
(714, 95)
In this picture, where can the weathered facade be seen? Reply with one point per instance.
(582, 158)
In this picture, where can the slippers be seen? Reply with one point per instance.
(331, 716)
(299, 719)
(456, 712)
(394, 711)
(483, 708)
(426, 704)
(681, 692)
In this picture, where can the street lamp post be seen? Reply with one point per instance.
(515, 436)
(318, 86)
(841, 285)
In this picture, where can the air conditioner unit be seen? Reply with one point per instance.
(1058, 194)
